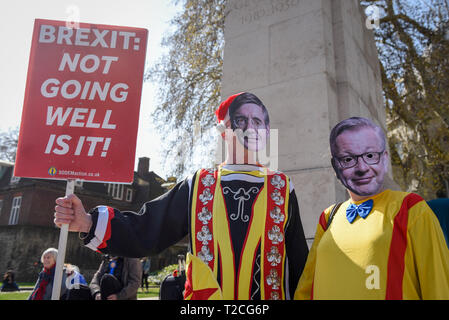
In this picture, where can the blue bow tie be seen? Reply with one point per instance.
(362, 210)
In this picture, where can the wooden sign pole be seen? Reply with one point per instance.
(57, 281)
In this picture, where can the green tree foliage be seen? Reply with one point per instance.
(412, 41)
(189, 77)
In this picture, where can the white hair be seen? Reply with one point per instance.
(52, 251)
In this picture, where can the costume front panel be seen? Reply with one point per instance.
(166, 220)
(238, 231)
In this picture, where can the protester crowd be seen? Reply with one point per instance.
(117, 278)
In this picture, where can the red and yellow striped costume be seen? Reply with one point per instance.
(265, 235)
(400, 242)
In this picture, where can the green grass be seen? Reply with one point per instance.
(152, 292)
(18, 295)
(23, 295)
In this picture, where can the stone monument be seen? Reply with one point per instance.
(313, 63)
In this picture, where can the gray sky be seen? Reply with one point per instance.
(16, 28)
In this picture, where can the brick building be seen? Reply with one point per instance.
(25, 201)
(26, 217)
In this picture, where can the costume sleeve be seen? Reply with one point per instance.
(159, 224)
(296, 245)
(304, 290)
(430, 252)
(134, 276)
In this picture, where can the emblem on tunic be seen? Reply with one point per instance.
(204, 235)
(206, 196)
(273, 279)
(274, 257)
(241, 195)
(274, 295)
(277, 182)
(205, 215)
(275, 235)
(208, 180)
(277, 215)
(205, 254)
(277, 198)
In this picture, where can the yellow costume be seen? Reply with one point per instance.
(397, 252)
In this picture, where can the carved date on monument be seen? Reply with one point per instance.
(250, 11)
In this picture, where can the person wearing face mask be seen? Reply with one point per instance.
(380, 243)
(246, 235)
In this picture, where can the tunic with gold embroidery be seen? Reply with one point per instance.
(397, 252)
(246, 236)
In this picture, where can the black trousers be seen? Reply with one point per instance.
(109, 285)
(144, 280)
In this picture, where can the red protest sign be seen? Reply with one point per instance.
(82, 101)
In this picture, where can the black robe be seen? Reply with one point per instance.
(165, 220)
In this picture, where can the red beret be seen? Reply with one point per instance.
(224, 106)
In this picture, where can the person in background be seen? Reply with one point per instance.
(44, 284)
(9, 284)
(74, 274)
(117, 278)
(440, 207)
(146, 263)
(379, 244)
(78, 289)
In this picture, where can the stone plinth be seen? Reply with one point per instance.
(313, 63)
